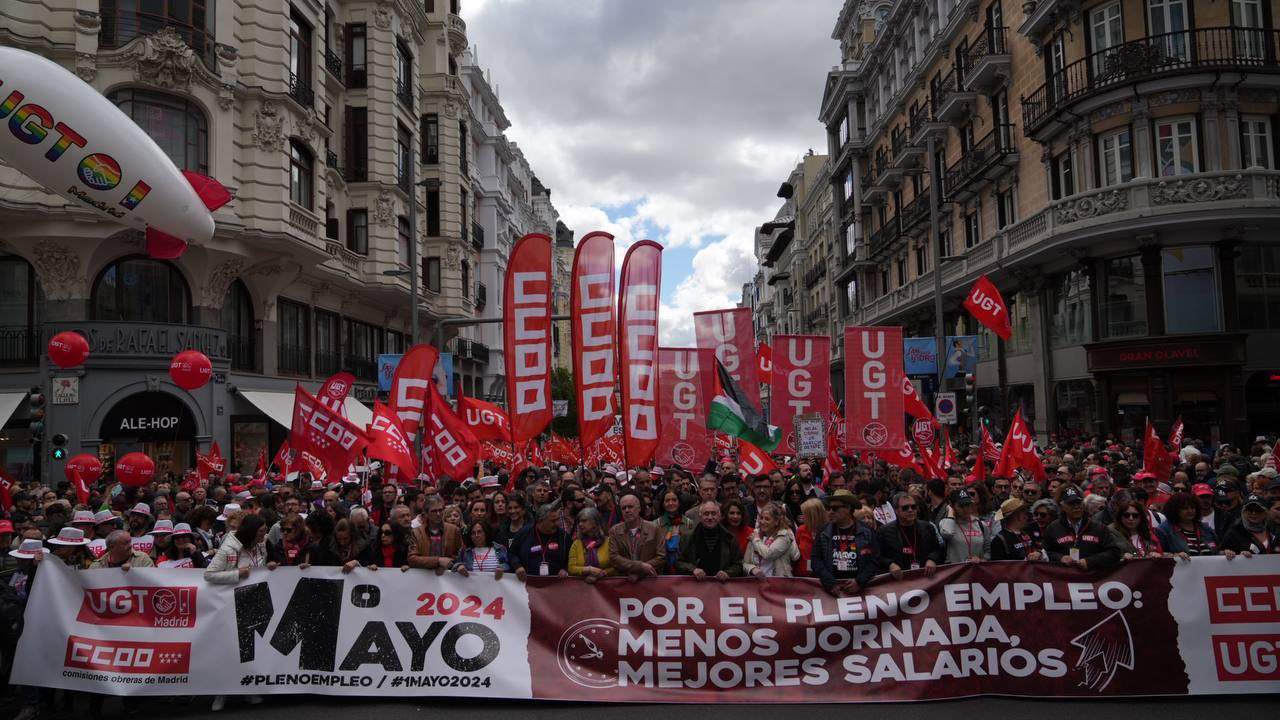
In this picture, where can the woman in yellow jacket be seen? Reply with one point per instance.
(589, 554)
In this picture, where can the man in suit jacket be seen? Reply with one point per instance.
(435, 542)
(633, 543)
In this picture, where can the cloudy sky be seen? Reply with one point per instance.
(663, 119)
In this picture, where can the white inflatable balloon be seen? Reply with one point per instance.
(66, 136)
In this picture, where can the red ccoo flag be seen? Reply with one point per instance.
(526, 336)
(334, 440)
(638, 302)
(591, 303)
(410, 387)
(390, 443)
(454, 448)
(986, 305)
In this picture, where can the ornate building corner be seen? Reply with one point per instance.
(220, 279)
(86, 66)
(58, 268)
(164, 60)
(385, 212)
(268, 132)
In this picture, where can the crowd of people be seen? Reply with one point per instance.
(1094, 509)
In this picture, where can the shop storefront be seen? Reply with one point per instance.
(1198, 378)
(152, 422)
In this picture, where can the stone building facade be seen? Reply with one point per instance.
(1110, 164)
(326, 121)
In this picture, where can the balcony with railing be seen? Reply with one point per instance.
(924, 123)
(122, 23)
(990, 158)
(363, 368)
(885, 173)
(467, 349)
(19, 346)
(883, 237)
(1201, 50)
(333, 63)
(404, 93)
(294, 359)
(328, 363)
(331, 160)
(988, 60)
(915, 212)
(906, 153)
(300, 90)
(814, 276)
(954, 100)
(457, 34)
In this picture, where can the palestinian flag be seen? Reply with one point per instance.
(733, 414)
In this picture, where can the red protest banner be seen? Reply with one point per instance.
(801, 382)
(874, 408)
(526, 334)
(729, 335)
(638, 304)
(333, 393)
(961, 630)
(684, 391)
(594, 358)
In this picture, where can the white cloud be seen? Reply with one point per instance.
(686, 115)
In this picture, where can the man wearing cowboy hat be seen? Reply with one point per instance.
(846, 554)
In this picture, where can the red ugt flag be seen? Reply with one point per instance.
(334, 440)
(985, 303)
(754, 461)
(765, 356)
(486, 420)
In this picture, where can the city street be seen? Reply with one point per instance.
(341, 709)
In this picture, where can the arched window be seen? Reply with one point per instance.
(177, 125)
(301, 168)
(21, 311)
(237, 321)
(140, 289)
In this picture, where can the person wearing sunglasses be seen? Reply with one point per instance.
(1252, 534)
(1132, 529)
(1043, 513)
(389, 550)
(909, 543)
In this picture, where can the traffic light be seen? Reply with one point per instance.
(970, 383)
(59, 451)
(35, 400)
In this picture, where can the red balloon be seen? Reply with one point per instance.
(190, 369)
(135, 469)
(68, 349)
(90, 467)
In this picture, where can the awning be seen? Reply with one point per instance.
(9, 403)
(279, 407)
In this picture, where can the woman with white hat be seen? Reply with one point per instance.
(70, 547)
(29, 554)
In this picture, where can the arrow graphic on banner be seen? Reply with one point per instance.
(1104, 648)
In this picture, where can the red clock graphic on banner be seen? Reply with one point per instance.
(588, 653)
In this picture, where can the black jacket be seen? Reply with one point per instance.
(1094, 542)
(904, 546)
(693, 553)
(1238, 539)
(1008, 545)
(861, 558)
